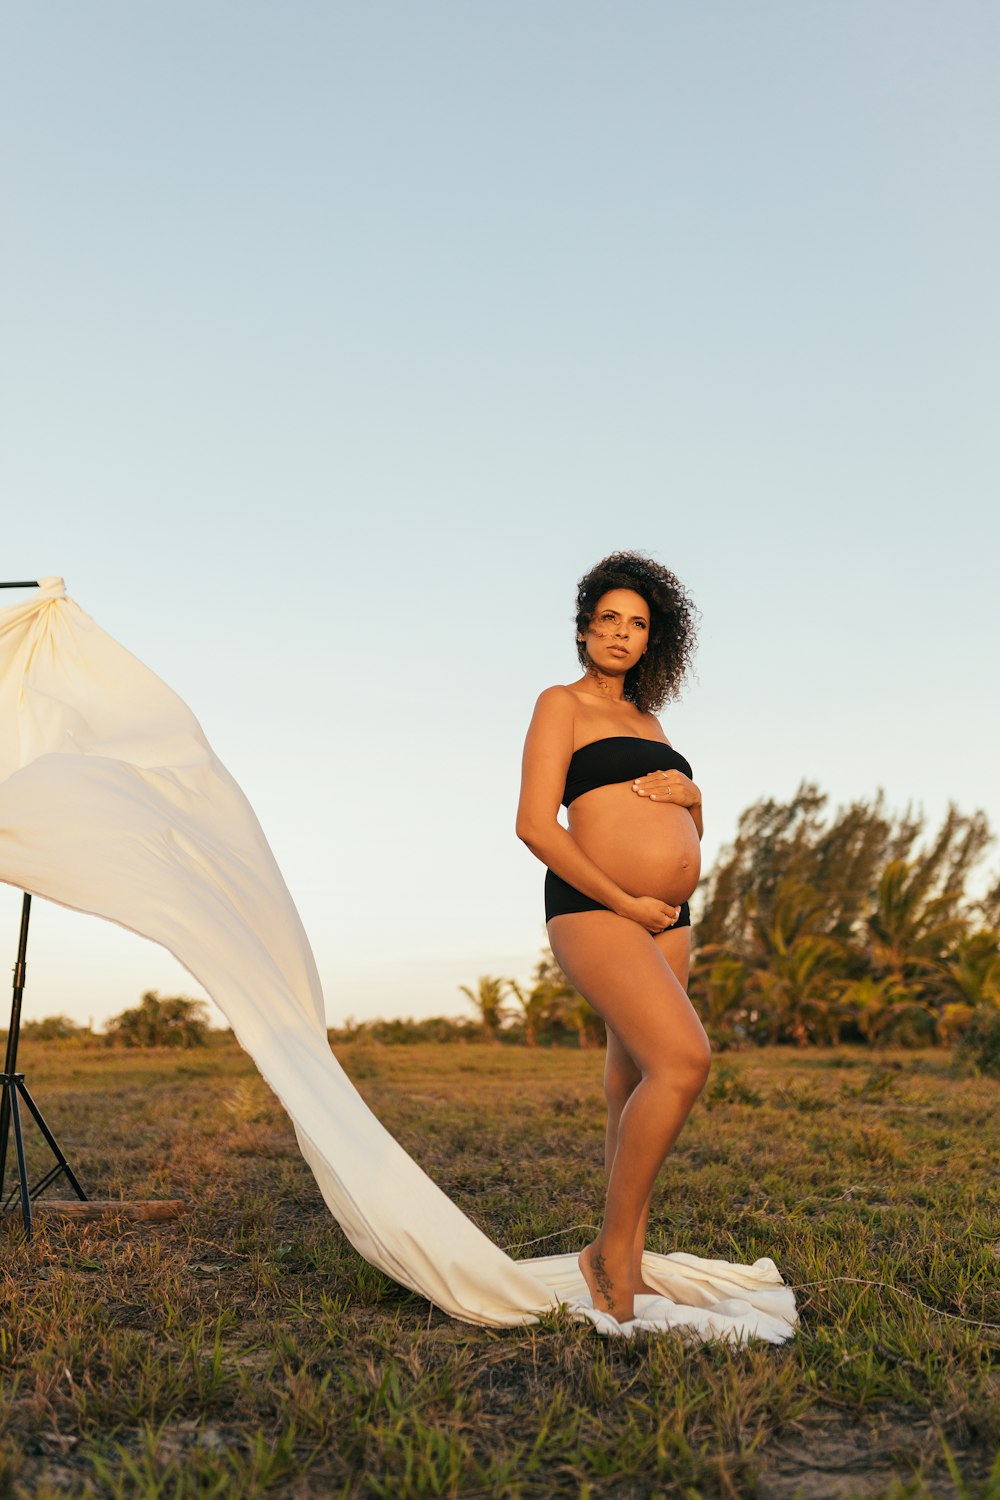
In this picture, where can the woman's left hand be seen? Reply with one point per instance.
(668, 786)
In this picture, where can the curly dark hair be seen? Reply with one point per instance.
(673, 624)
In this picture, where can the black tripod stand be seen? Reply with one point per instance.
(11, 1085)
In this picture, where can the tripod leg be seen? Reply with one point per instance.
(13, 1083)
(54, 1146)
(22, 1166)
(5, 1085)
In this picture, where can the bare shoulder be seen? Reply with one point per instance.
(555, 700)
(554, 715)
(653, 728)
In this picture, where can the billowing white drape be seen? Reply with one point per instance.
(112, 802)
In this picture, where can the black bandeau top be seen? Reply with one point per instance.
(618, 757)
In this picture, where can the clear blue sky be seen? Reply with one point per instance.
(339, 340)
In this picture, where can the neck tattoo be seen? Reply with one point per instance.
(596, 675)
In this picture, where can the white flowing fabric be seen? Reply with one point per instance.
(112, 802)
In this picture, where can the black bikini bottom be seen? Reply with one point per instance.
(561, 898)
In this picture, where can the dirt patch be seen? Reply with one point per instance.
(835, 1455)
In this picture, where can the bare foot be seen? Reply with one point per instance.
(609, 1284)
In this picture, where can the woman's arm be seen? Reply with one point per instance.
(548, 748)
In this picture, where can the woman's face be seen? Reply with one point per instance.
(618, 632)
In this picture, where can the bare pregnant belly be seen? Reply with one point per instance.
(648, 848)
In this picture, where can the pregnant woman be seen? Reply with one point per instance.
(618, 882)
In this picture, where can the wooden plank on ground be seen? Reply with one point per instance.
(152, 1211)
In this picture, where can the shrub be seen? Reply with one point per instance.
(54, 1029)
(980, 1042)
(174, 1022)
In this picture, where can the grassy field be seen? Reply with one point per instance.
(247, 1350)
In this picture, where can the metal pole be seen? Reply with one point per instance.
(20, 973)
(31, 584)
(9, 1113)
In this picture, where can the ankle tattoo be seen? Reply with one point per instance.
(605, 1285)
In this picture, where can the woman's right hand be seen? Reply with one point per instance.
(652, 913)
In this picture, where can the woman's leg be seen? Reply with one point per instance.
(624, 974)
(621, 1076)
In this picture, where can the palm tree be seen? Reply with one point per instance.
(797, 991)
(972, 972)
(968, 980)
(873, 1005)
(590, 1027)
(534, 1005)
(720, 982)
(553, 1004)
(799, 964)
(488, 1000)
(912, 932)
